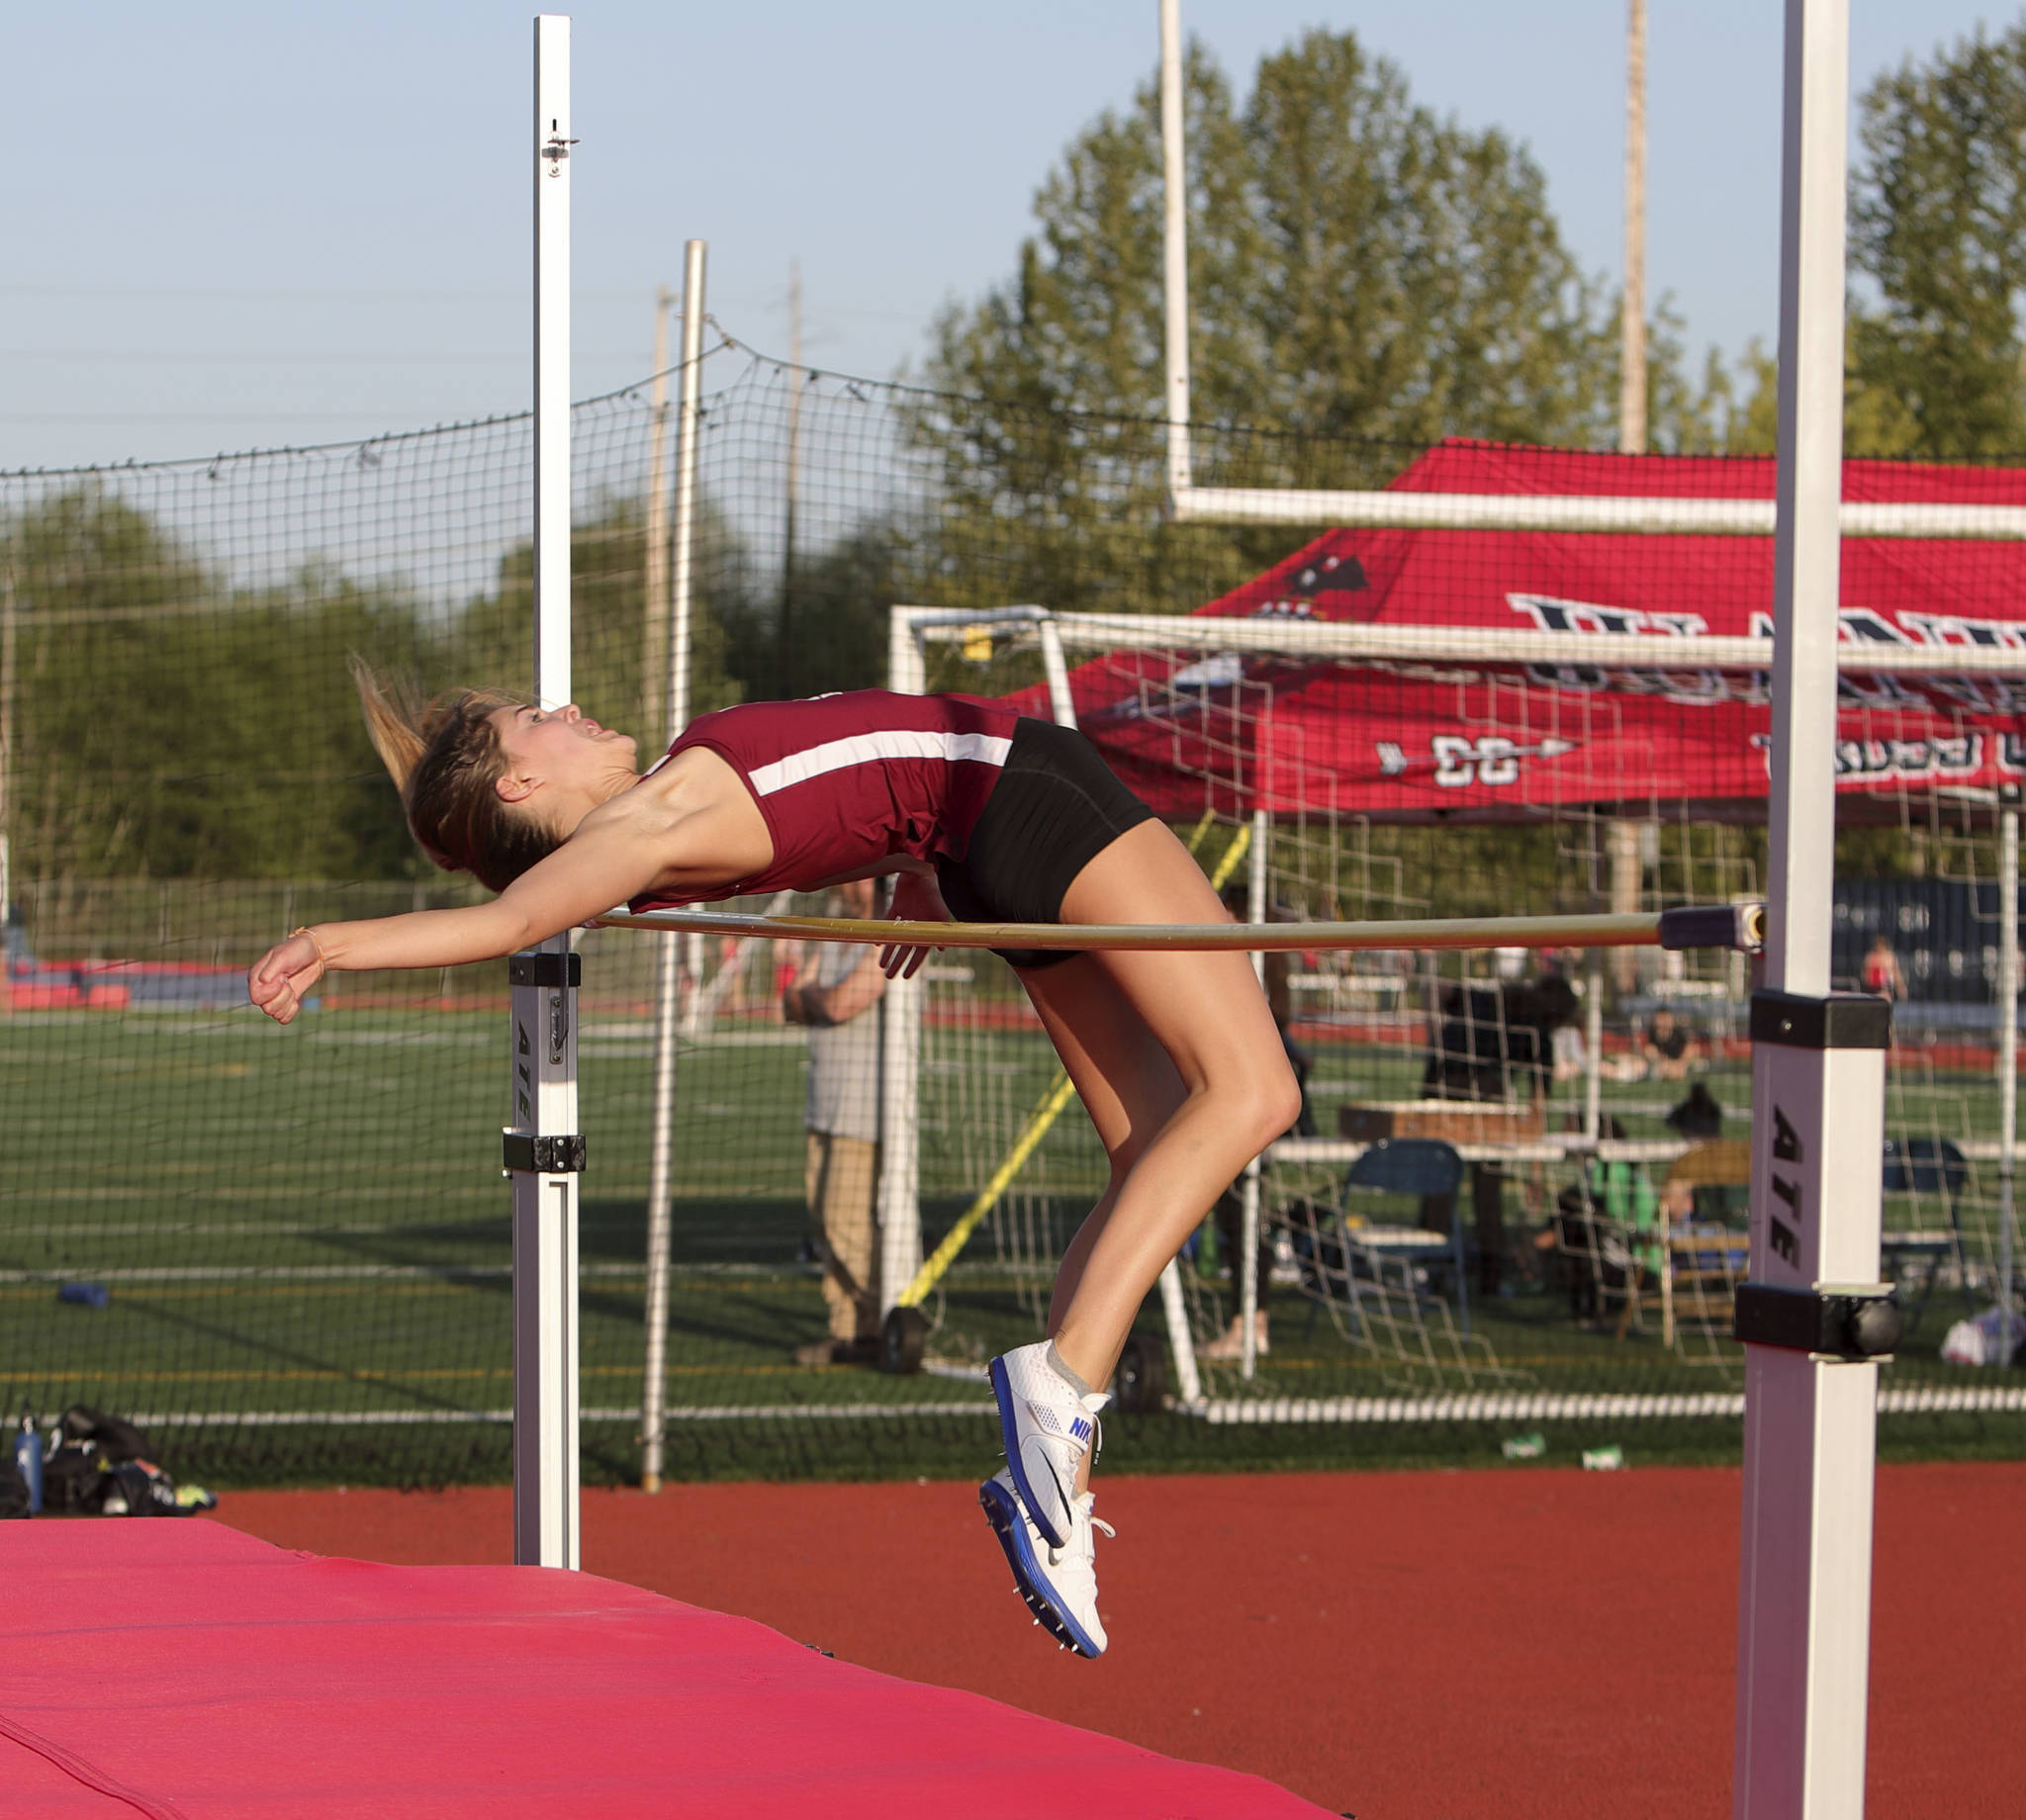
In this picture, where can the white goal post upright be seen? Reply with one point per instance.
(900, 1039)
(1174, 249)
(544, 1152)
(1173, 1303)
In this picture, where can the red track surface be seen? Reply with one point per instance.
(1509, 1644)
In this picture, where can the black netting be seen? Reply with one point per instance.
(286, 1252)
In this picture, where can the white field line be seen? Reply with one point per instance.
(1919, 1400)
(409, 1419)
(290, 1273)
(1545, 1405)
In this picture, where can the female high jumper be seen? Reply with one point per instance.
(978, 813)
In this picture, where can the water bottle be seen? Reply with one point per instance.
(28, 1456)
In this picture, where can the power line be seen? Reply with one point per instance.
(286, 357)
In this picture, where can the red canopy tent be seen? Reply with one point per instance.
(1408, 740)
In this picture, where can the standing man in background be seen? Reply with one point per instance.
(834, 994)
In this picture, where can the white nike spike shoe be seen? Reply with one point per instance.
(1057, 1584)
(1046, 1429)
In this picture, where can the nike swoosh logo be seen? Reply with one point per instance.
(1052, 1478)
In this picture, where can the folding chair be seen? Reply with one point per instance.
(1374, 1278)
(1334, 1247)
(1708, 1251)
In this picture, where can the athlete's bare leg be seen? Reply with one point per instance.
(1177, 1061)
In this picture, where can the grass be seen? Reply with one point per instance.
(311, 1222)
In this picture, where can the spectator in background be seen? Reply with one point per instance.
(1666, 1047)
(1571, 1053)
(1611, 1229)
(833, 995)
(1496, 1042)
(731, 966)
(1881, 973)
(1698, 1116)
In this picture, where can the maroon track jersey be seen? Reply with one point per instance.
(848, 780)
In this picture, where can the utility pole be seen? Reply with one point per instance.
(1632, 316)
(795, 470)
(654, 644)
(1627, 871)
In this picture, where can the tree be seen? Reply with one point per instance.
(1364, 277)
(487, 643)
(1938, 226)
(824, 626)
(168, 726)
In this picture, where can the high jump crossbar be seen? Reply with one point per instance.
(1720, 925)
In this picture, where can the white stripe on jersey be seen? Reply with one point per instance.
(874, 749)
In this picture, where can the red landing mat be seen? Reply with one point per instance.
(186, 1672)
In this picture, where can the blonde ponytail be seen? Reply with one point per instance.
(445, 758)
(393, 720)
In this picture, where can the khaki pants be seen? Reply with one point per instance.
(839, 1176)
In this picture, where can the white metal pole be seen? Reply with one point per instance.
(1632, 309)
(683, 583)
(673, 687)
(544, 1152)
(654, 593)
(2008, 1072)
(1593, 1049)
(552, 360)
(1810, 1414)
(900, 1038)
(1246, 1266)
(1175, 247)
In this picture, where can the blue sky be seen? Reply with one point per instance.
(253, 224)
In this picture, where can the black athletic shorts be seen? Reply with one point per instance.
(1054, 808)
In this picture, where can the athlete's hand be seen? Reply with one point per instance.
(279, 979)
(915, 900)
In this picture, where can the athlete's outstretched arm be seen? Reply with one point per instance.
(611, 857)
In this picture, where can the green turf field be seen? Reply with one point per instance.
(304, 1238)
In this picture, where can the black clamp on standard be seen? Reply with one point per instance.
(1853, 1322)
(526, 1154)
(1738, 926)
(1842, 1021)
(532, 967)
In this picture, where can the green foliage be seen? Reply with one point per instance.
(1364, 277)
(487, 643)
(822, 625)
(1359, 268)
(1938, 225)
(168, 725)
